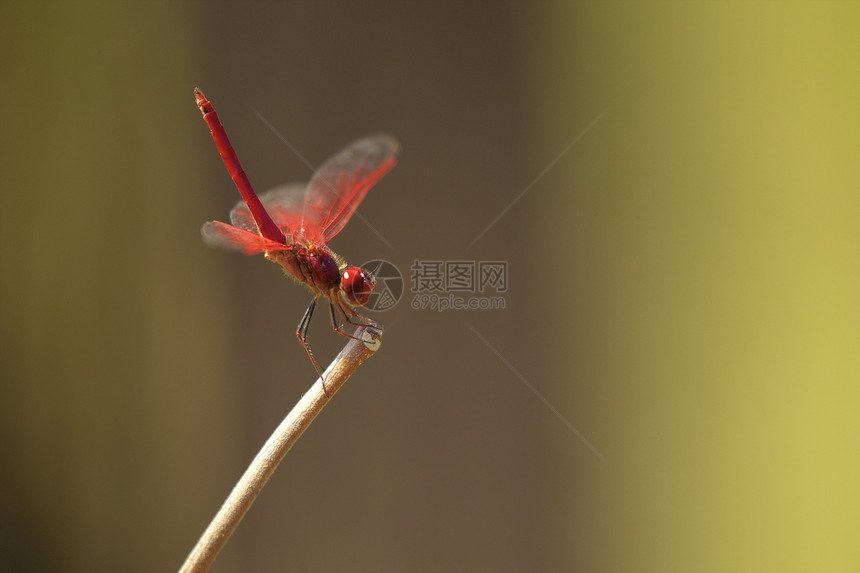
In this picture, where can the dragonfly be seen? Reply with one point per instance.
(292, 224)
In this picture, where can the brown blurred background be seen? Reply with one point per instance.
(683, 286)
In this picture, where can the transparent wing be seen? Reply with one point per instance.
(284, 204)
(241, 217)
(338, 187)
(224, 236)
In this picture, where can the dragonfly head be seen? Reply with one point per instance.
(356, 286)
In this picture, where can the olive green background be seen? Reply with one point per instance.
(684, 286)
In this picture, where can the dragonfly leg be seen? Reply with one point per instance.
(335, 325)
(302, 330)
(362, 320)
(302, 334)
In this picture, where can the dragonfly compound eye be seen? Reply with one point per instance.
(356, 286)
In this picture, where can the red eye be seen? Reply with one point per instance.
(356, 286)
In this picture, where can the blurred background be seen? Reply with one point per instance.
(672, 384)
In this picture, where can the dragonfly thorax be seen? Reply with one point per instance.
(319, 269)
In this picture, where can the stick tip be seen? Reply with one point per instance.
(371, 338)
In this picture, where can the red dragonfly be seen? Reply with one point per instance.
(292, 224)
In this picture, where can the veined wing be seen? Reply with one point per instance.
(338, 187)
(222, 235)
(284, 204)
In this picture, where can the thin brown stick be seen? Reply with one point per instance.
(276, 447)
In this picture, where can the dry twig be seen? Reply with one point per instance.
(276, 447)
